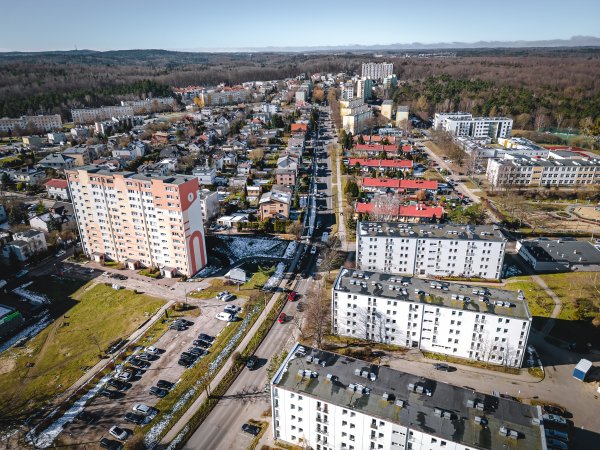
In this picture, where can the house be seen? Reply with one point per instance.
(287, 162)
(394, 184)
(285, 177)
(253, 193)
(381, 165)
(275, 204)
(58, 189)
(206, 175)
(230, 159)
(160, 138)
(209, 200)
(81, 155)
(232, 221)
(25, 244)
(173, 151)
(57, 138)
(57, 161)
(562, 255)
(46, 222)
(218, 162)
(31, 177)
(301, 128)
(419, 213)
(244, 168)
(375, 149)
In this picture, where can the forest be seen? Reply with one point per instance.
(538, 87)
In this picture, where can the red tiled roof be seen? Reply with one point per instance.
(375, 148)
(407, 148)
(419, 184)
(299, 127)
(376, 138)
(404, 163)
(421, 211)
(394, 183)
(56, 183)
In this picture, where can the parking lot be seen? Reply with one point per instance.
(106, 412)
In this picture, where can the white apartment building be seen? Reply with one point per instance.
(138, 219)
(150, 104)
(364, 88)
(347, 91)
(224, 97)
(326, 401)
(465, 125)
(430, 249)
(526, 171)
(42, 123)
(377, 71)
(91, 115)
(455, 319)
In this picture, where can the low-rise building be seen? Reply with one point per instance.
(399, 185)
(381, 165)
(57, 138)
(418, 213)
(285, 177)
(206, 175)
(442, 250)
(210, 204)
(275, 204)
(402, 114)
(91, 115)
(58, 189)
(387, 108)
(57, 161)
(465, 125)
(38, 123)
(25, 245)
(559, 255)
(324, 401)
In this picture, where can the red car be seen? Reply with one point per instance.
(282, 318)
(292, 296)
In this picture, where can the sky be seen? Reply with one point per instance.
(37, 25)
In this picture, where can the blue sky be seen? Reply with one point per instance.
(34, 25)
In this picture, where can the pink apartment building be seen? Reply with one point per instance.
(139, 220)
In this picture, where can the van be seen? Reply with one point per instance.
(227, 317)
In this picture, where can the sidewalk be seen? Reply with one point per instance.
(185, 418)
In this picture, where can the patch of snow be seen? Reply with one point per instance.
(238, 247)
(276, 278)
(511, 271)
(290, 250)
(33, 297)
(27, 333)
(46, 437)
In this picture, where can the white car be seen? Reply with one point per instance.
(313, 250)
(60, 253)
(226, 317)
(118, 432)
(222, 294)
(123, 376)
(142, 409)
(152, 350)
(227, 297)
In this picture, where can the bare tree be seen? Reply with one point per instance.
(386, 207)
(318, 314)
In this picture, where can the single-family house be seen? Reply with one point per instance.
(57, 188)
(57, 161)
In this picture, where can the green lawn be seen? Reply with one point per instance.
(538, 301)
(53, 360)
(579, 293)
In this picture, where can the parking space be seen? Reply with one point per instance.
(106, 412)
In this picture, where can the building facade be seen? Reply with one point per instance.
(42, 123)
(91, 115)
(465, 125)
(377, 71)
(326, 401)
(364, 88)
(446, 250)
(129, 217)
(455, 319)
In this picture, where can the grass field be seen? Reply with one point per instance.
(253, 285)
(579, 293)
(52, 361)
(538, 301)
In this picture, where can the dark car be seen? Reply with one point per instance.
(195, 351)
(202, 343)
(252, 429)
(187, 323)
(117, 384)
(139, 363)
(86, 417)
(556, 410)
(110, 444)
(206, 337)
(185, 362)
(164, 384)
(159, 392)
(108, 393)
(146, 357)
(189, 355)
(252, 362)
(177, 327)
(300, 307)
(121, 277)
(134, 418)
(442, 367)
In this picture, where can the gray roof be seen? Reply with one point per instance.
(440, 231)
(444, 294)
(440, 409)
(573, 252)
(169, 179)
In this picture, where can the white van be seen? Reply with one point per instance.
(226, 317)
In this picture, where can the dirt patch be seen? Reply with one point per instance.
(7, 365)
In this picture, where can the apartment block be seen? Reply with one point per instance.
(364, 88)
(327, 401)
(225, 97)
(377, 71)
(455, 319)
(91, 115)
(139, 220)
(447, 250)
(43, 123)
(150, 104)
(550, 171)
(465, 125)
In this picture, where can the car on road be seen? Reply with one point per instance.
(251, 429)
(232, 309)
(442, 367)
(142, 408)
(227, 317)
(21, 273)
(292, 296)
(158, 392)
(134, 418)
(252, 362)
(118, 432)
(117, 384)
(299, 306)
(60, 253)
(282, 318)
(164, 384)
(313, 250)
(110, 444)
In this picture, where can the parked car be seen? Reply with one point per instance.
(251, 429)
(177, 327)
(85, 416)
(189, 355)
(195, 351)
(164, 384)
(134, 418)
(206, 337)
(227, 297)
(232, 309)
(313, 250)
(292, 296)
(118, 432)
(110, 444)
(142, 408)
(153, 350)
(145, 357)
(108, 393)
(60, 253)
(554, 419)
(21, 273)
(553, 409)
(139, 363)
(252, 362)
(201, 343)
(557, 434)
(185, 362)
(158, 392)
(282, 318)
(117, 384)
(299, 306)
(227, 317)
(442, 367)
(555, 444)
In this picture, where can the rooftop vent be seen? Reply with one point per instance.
(331, 377)
(400, 403)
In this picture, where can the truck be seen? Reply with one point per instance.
(581, 369)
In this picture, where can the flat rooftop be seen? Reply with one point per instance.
(573, 252)
(433, 292)
(99, 170)
(432, 407)
(435, 231)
